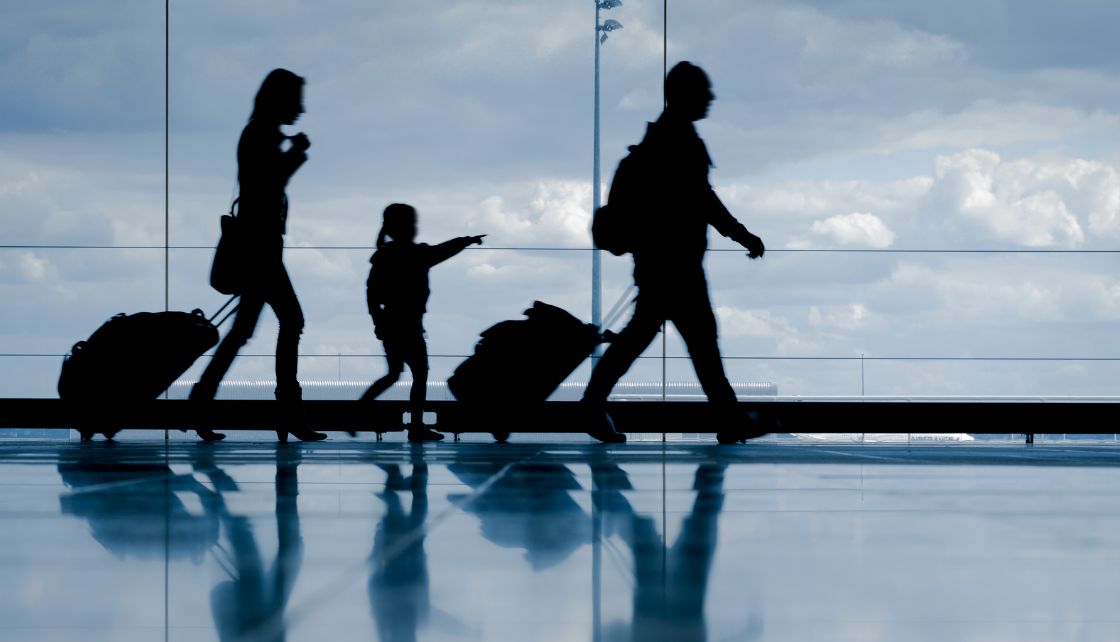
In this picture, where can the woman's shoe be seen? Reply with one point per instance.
(303, 434)
(200, 412)
(293, 422)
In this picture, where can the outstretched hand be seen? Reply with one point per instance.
(755, 247)
(475, 240)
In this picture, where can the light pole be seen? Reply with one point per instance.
(601, 31)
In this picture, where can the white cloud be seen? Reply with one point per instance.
(987, 123)
(978, 291)
(1022, 202)
(858, 228)
(841, 317)
(557, 213)
(974, 198)
(755, 323)
(25, 266)
(901, 47)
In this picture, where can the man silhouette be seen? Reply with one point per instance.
(668, 251)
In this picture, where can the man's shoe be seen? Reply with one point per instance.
(208, 435)
(737, 436)
(602, 428)
(749, 426)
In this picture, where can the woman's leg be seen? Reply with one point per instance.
(282, 298)
(244, 323)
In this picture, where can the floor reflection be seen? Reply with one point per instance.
(131, 506)
(134, 509)
(670, 584)
(457, 541)
(529, 506)
(398, 585)
(251, 603)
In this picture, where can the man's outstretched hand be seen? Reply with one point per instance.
(755, 248)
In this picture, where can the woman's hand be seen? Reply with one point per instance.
(300, 142)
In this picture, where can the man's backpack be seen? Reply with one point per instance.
(615, 226)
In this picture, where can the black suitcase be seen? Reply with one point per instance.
(521, 362)
(134, 357)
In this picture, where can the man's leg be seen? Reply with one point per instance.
(696, 323)
(620, 355)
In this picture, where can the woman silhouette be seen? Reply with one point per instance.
(264, 167)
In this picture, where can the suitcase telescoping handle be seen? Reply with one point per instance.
(228, 314)
(618, 308)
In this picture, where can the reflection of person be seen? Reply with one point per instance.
(669, 586)
(668, 257)
(398, 588)
(264, 169)
(251, 605)
(397, 295)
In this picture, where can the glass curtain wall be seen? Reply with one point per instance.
(939, 213)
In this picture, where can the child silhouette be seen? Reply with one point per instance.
(397, 295)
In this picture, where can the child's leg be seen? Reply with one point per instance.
(417, 359)
(415, 354)
(396, 367)
(419, 393)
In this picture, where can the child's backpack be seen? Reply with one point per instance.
(616, 225)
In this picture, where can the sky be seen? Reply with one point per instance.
(839, 125)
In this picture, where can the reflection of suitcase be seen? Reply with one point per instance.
(134, 357)
(521, 362)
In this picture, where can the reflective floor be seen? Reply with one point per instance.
(148, 540)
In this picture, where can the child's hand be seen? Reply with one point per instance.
(475, 240)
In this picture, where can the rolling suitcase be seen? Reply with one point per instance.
(519, 363)
(134, 357)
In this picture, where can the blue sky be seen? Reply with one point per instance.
(849, 125)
